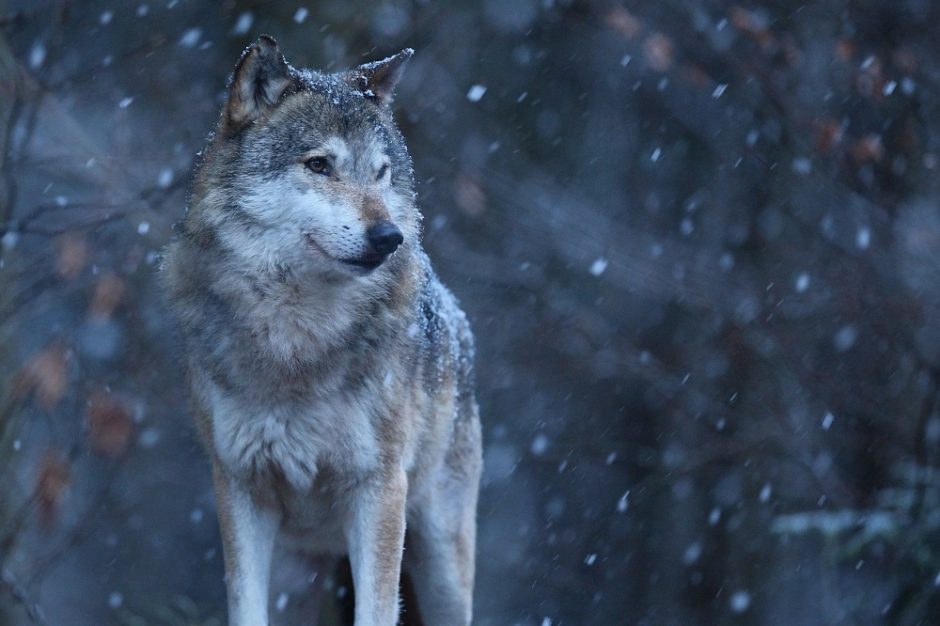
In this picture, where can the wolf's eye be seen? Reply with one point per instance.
(382, 172)
(319, 165)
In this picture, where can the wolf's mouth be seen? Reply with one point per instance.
(367, 262)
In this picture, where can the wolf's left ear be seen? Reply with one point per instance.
(378, 79)
(261, 78)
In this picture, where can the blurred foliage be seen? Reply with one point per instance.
(182, 611)
(697, 241)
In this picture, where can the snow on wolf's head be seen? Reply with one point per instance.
(307, 170)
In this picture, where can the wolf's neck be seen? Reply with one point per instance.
(291, 322)
(288, 324)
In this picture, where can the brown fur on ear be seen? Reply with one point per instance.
(378, 79)
(260, 79)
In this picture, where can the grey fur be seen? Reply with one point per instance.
(335, 402)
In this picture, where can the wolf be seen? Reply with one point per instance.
(330, 371)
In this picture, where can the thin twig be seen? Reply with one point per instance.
(11, 586)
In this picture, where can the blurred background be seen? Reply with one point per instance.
(698, 242)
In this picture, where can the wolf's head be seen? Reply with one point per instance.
(307, 170)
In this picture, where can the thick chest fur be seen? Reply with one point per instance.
(288, 389)
(289, 384)
(291, 440)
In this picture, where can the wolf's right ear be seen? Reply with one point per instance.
(260, 79)
(378, 79)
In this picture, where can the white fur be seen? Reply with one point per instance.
(250, 440)
(377, 593)
(253, 532)
(339, 150)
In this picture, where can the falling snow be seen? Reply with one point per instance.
(765, 493)
(802, 166)
(802, 282)
(539, 444)
(714, 517)
(740, 601)
(692, 553)
(598, 267)
(687, 239)
(623, 503)
(190, 38)
(863, 238)
(243, 23)
(165, 179)
(476, 93)
(37, 55)
(845, 338)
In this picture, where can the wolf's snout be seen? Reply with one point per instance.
(385, 238)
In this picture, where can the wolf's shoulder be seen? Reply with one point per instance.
(442, 324)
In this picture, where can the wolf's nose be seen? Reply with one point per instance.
(385, 238)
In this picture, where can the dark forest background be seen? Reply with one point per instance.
(698, 242)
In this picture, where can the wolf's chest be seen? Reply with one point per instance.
(292, 440)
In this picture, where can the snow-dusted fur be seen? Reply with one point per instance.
(331, 380)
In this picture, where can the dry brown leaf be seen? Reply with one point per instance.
(624, 22)
(45, 374)
(108, 294)
(752, 23)
(905, 59)
(52, 480)
(845, 50)
(71, 255)
(748, 21)
(658, 50)
(870, 78)
(697, 76)
(109, 424)
(469, 195)
(829, 133)
(868, 148)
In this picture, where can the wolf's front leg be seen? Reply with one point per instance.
(376, 534)
(248, 534)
